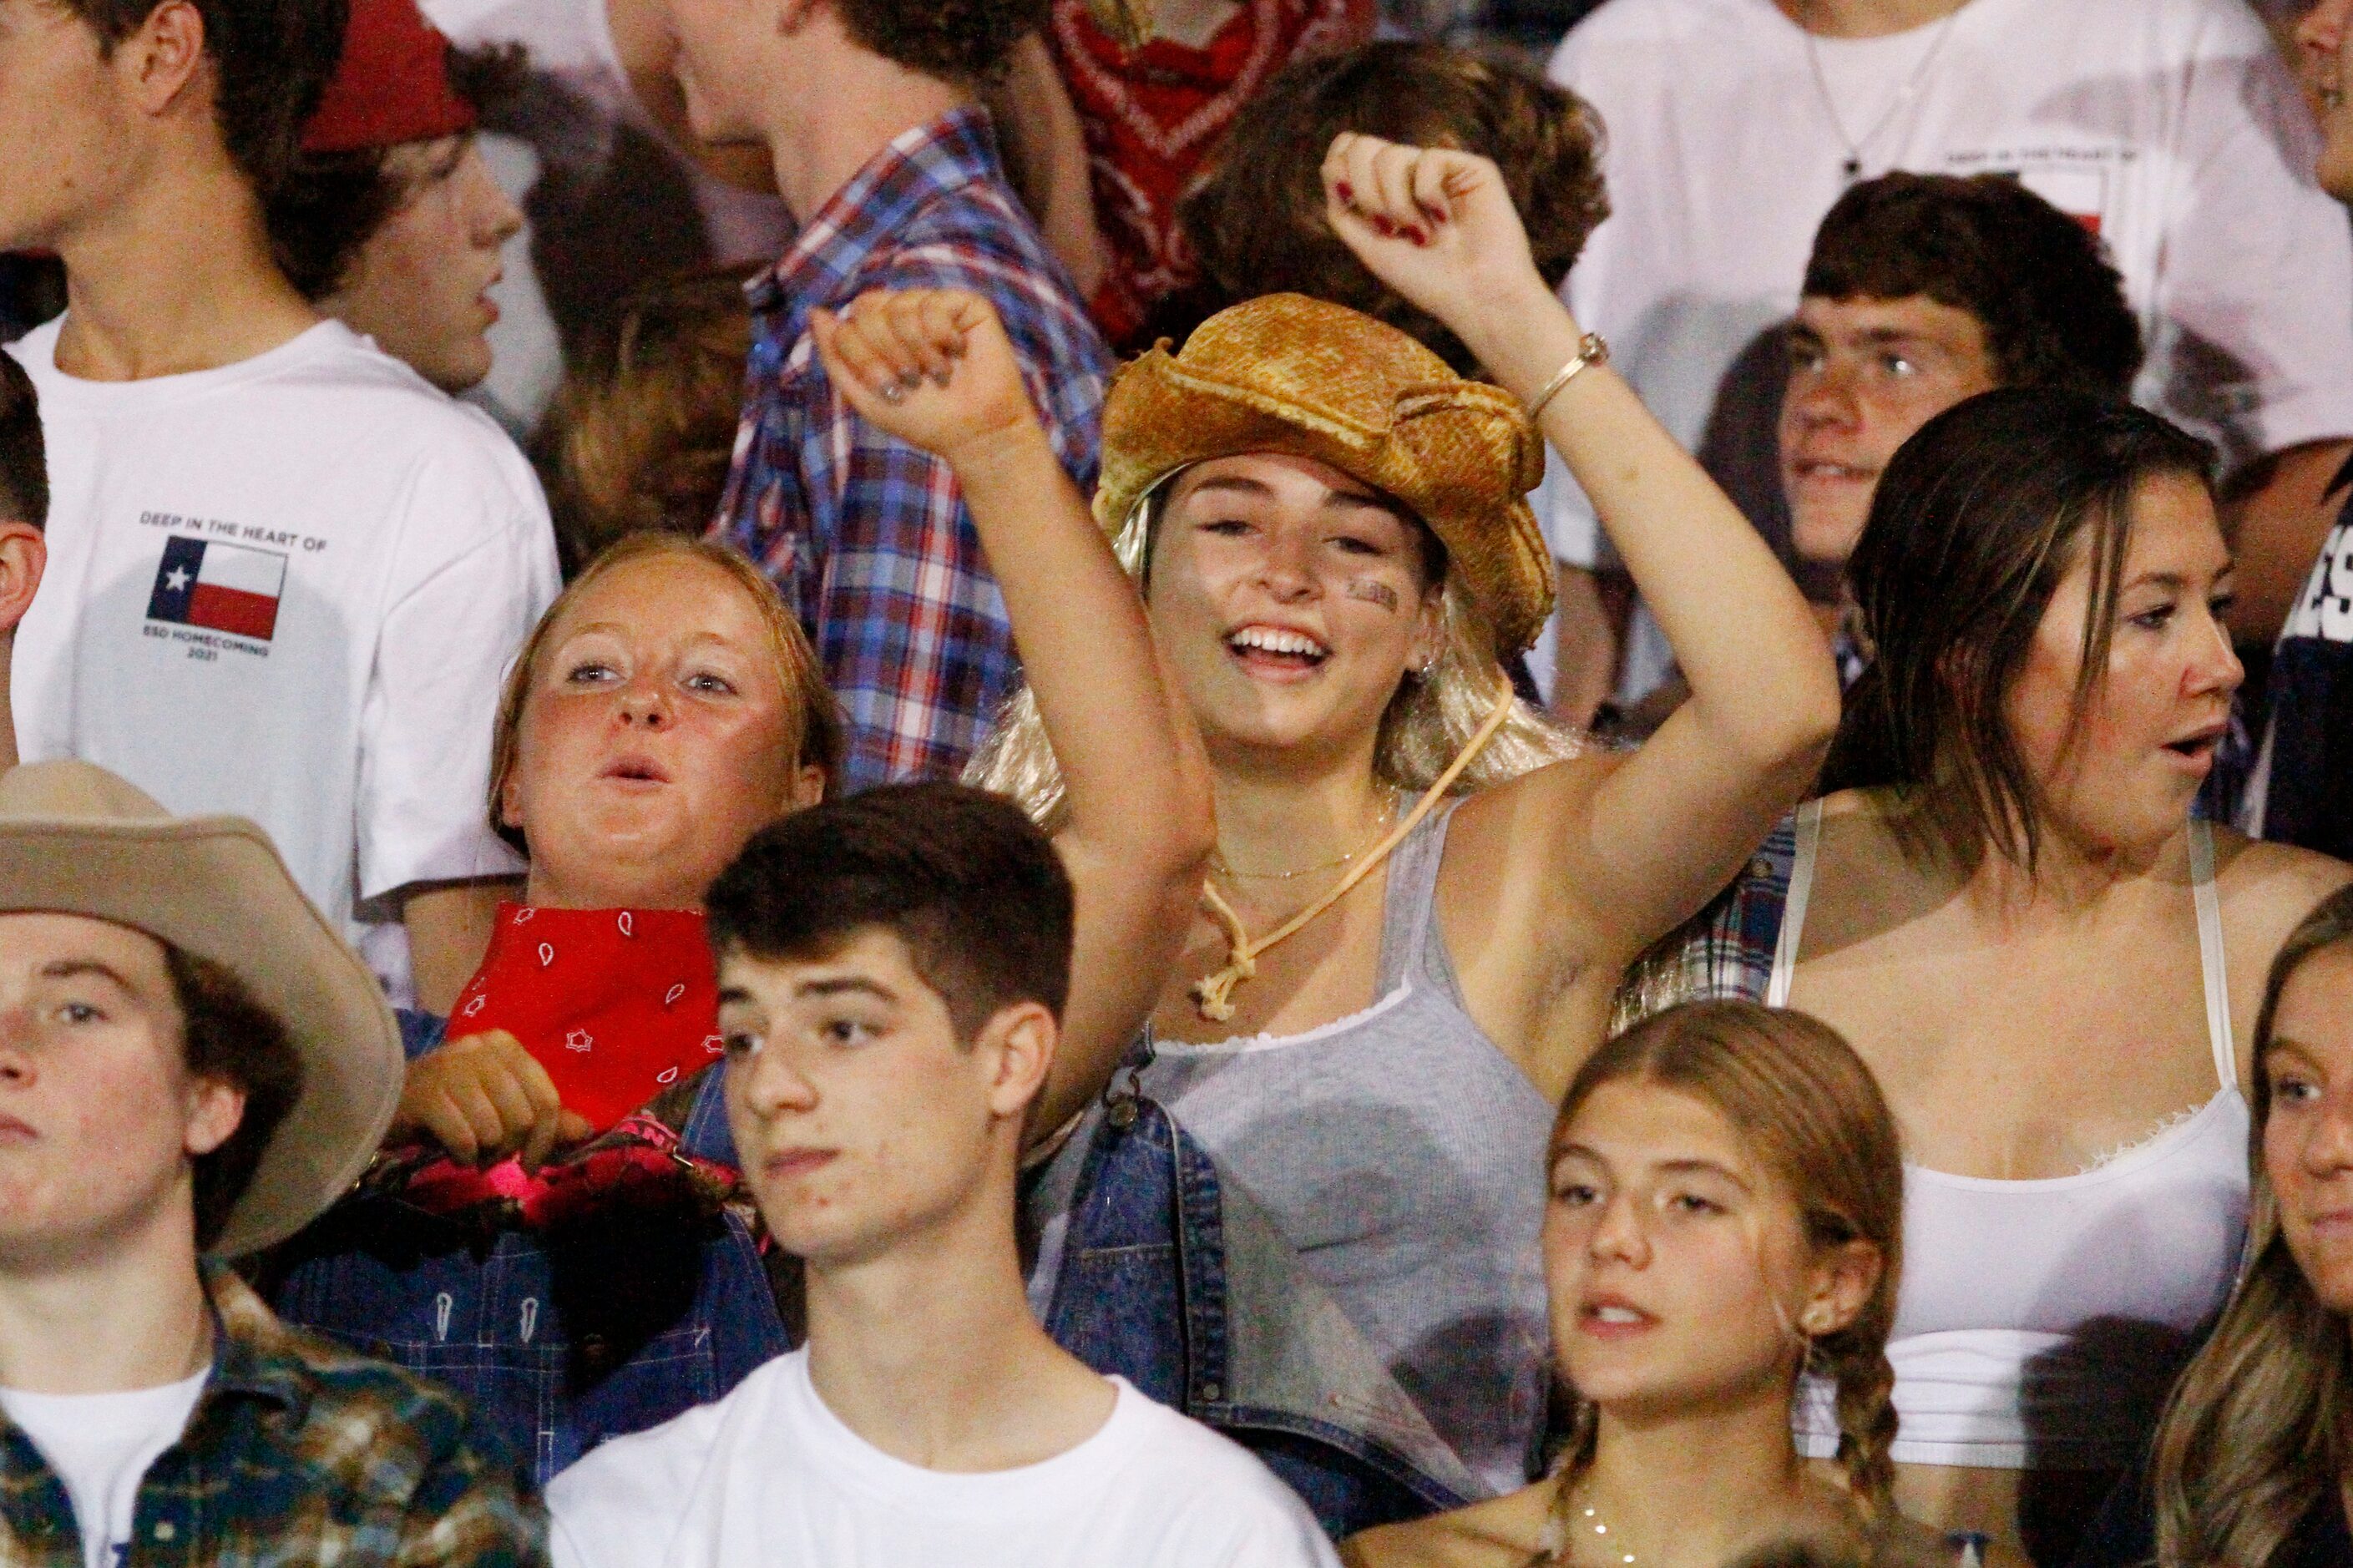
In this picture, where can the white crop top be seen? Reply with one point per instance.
(2040, 1323)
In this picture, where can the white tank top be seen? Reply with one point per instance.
(2040, 1323)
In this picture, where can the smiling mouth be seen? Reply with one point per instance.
(1821, 468)
(1276, 649)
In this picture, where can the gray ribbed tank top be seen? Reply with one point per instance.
(1402, 1153)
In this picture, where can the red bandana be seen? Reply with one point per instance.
(617, 1004)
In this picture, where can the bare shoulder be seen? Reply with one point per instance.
(1498, 1533)
(2268, 888)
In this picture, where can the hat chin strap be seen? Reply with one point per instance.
(1213, 996)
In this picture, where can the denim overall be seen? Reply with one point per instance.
(559, 1341)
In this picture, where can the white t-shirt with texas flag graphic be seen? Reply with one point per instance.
(288, 588)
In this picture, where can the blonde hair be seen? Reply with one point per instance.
(1811, 1112)
(816, 733)
(2259, 1431)
(1434, 716)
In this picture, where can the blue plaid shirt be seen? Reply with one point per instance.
(867, 537)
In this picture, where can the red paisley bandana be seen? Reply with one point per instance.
(1151, 114)
(617, 1004)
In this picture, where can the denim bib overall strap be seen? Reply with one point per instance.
(1153, 1269)
(559, 1339)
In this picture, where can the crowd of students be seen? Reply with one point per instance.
(1263, 796)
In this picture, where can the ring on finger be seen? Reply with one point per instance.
(893, 392)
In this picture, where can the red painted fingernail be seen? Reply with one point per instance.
(1416, 235)
(1433, 214)
(1383, 226)
(1347, 193)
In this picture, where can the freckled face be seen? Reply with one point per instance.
(2148, 738)
(1291, 601)
(98, 1116)
(860, 1117)
(657, 736)
(2307, 1146)
(1666, 1250)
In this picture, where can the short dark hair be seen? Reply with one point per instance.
(961, 876)
(1257, 220)
(1976, 518)
(328, 206)
(958, 40)
(23, 465)
(232, 1037)
(273, 59)
(2051, 304)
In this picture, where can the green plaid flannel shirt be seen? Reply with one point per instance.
(297, 1453)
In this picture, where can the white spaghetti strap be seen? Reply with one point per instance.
(1793, 906)
(2212, 958)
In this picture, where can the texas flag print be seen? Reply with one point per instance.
(221, 587)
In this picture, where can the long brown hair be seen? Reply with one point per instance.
(1809, 1109)
(816, 741)
(1976, 522)
(2259, 1431)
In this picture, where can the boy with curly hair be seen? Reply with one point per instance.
(882, 152)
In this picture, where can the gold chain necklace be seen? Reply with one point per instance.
(1218, 862)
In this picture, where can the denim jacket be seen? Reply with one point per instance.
(558, 1340)
(1150, 1267)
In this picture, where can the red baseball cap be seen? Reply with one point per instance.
(391, 84)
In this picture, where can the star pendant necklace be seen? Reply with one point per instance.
(1853, 166)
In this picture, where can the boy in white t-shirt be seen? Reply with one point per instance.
(2170, 127)
(285, 575)
(892, 970)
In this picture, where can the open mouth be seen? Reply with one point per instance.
(1276, 649)
(1613, 1318)
(2201, 747)
(1823, 469)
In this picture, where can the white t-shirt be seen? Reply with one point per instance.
(101, 1444)
(609, 200)
(770, 1478)
(2170, 125)
(288, 588)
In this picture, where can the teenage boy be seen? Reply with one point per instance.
(389, 220)
(2167, 126)
(892, 969)
(24, 509)
(193, 1065)
(286, 574)
(885, 156)
(1925, 289)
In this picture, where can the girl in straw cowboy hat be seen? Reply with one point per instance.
(1423, 893)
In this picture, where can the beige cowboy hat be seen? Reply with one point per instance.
(76, 839)
(1311, 379)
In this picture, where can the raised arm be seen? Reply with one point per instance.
(933, 369)
(1639, 848)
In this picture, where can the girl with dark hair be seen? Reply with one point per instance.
(2005, 904)
(1725, 1214)
(2254, 1463)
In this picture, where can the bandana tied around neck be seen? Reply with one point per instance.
(617, 1004)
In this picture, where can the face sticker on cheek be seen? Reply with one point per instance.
(1366, 590)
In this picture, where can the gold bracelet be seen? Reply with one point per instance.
(1590, 350)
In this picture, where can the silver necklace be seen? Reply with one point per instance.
(1852, 167)
(1566, 1521)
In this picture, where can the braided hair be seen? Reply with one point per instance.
(1807, 1106)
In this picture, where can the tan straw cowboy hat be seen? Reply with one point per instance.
(1310, 379)
(76, 839)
